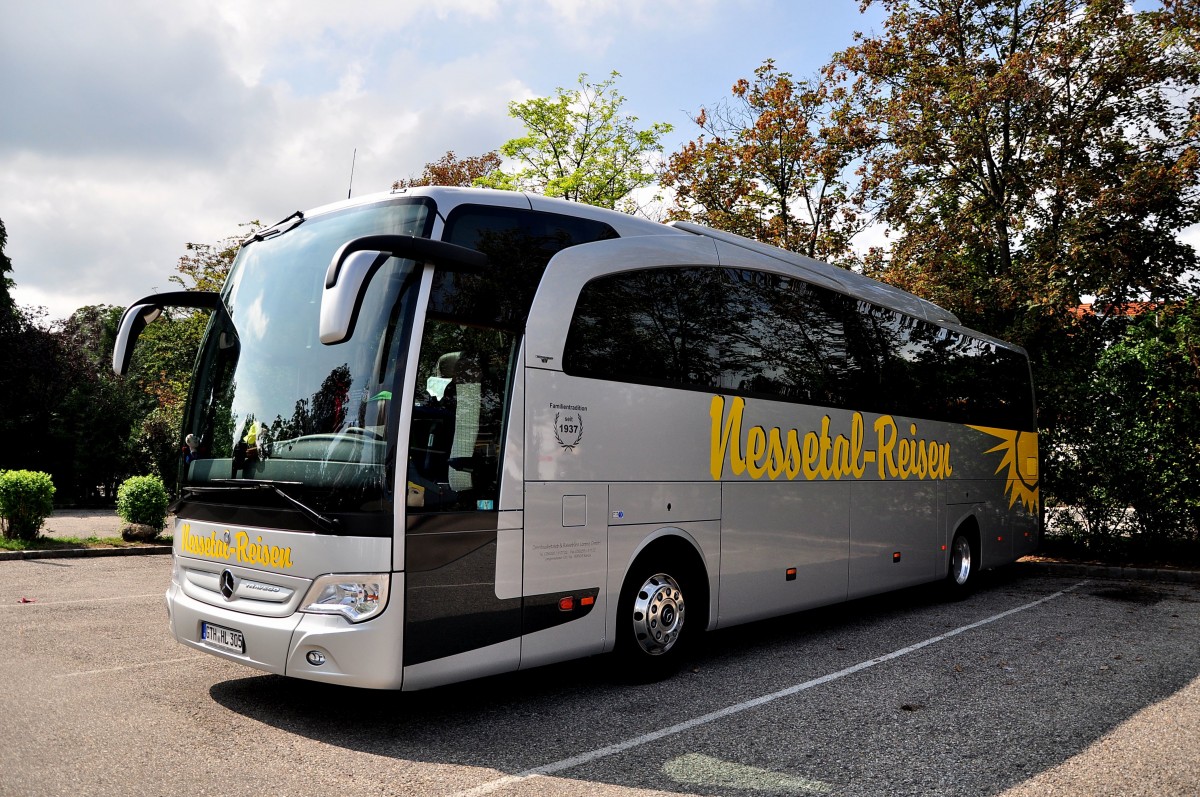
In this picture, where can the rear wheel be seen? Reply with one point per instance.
(964, 565)
(653, 629)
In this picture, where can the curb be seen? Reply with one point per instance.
(1069, 570)
(81, 553)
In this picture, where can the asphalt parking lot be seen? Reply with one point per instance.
(1034, 685)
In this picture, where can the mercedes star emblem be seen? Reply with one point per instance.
(228, 584)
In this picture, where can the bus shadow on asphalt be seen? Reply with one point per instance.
(979, 705)
(516, 721)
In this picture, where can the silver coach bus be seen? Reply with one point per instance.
(443, 433)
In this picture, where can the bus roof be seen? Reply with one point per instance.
(626, 225)
(851, 282)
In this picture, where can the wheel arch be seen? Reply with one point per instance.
(670, 544)
(968, 526)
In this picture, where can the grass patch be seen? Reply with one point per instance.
(62, 543)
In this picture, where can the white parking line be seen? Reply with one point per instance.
(619, 747)
(128, 667)
(37, 602)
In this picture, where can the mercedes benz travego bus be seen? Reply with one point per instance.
(442, 433)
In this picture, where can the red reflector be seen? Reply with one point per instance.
(999, 539)
(566, 604)
(587, 600)
(791, 571)
(896, 556)
(943, 547)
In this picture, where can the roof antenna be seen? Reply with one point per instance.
(352, 159)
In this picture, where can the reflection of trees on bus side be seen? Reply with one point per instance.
(659, 326)
(786, 342)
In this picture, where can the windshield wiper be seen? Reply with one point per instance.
(278, 228)
(326, 523)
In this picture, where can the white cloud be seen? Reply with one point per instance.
(136, 126)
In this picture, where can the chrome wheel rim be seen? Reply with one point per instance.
(960, 561)
(658, 613)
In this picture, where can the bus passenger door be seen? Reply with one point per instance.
(458, 618)
(565, 571)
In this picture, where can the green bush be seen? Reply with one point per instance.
(26, 500)
(143, 499)
(1128, 460)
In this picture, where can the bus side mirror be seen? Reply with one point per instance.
(341, 301)
(354, 264)
(146, 310)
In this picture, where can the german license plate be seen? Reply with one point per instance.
(221, 637)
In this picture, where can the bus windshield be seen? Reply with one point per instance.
(272, 406)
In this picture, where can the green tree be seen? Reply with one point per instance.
(1025, 154)
(771, 164)
(454, 171)
(30, 384)
(166, 354)
(94, 411)
(578, 145)
(206, 266)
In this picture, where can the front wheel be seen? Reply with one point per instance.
(652, 626)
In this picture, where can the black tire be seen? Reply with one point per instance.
(655, 627)
(963, 572)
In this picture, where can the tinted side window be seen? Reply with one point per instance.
(922, 370)
(460, 406)
(764, 335)
(519, 244)
(657, 327)
(732, 330)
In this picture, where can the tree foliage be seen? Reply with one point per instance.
(206, 266)
(452, 170)
(1028, 152)
(1128, 463)
(578, 145)
(29, 387)
(771, 164)
(1024, 155)
(7, 308)
(63, 411)
(166, 353)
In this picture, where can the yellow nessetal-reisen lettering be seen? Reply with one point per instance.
(820, 454)
(211, 547)
(260, 553)
(723, 434)
(242, 550)
(900, 458)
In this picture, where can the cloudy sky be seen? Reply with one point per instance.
(130, 127)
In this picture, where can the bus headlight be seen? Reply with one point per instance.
(356, 597)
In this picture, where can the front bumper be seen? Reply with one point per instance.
(367, 654)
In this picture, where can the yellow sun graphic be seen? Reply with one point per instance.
(1021, 458)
